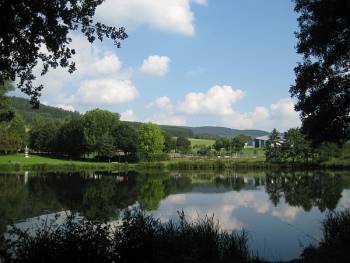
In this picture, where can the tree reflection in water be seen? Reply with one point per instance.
(101, 197)
(320, 189)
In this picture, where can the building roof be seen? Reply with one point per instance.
(263, 138)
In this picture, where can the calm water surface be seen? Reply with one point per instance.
(281, 211)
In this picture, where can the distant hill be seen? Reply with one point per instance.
(227, 132)
(176, 131)
(210, 132)
(29, 114)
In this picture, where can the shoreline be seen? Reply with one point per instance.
(45, 163)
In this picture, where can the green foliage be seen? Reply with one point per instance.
(126, 140)
(227, 132)
(323, 79)
(104, 146)
(139, 238)
(204, 151)
(222, 143)
(150, 141)
(183, 145)
(169, 142)
(98, 126)
(334, 247)
(320, 189)
(28, 26)
(206, 136)
(177, 131)
(151, 192)
(12, 135)
(243, 138)
(274, 152)
(237, 144)
(327, 151)
(43, 135)
(70, 138)
(195, 143)
(6, 113)
(232, 145)
(295, 145)
(25, 109)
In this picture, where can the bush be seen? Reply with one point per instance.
(153, 157)
(334, 246)
(139, 238)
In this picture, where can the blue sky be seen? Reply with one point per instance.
(187, 62)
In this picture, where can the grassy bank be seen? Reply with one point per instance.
(17, 162)
(44, 163)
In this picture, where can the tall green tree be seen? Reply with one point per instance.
(236, 144)
(150, 141)
(296, 145)
(43, 134)
(70, 138)
(13, 135)
(323, 78)
(105, 146)
(222, 143)
(183, 145)
(274, 152)
(126, 140)
(98, 123)
(169, 142)
(6, 113)
(28, 26)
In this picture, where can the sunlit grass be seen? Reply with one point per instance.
(201, 142)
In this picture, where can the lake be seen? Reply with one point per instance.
(280, 211)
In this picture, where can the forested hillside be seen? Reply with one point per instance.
(24, 108)
(227, 132)
(207, 132)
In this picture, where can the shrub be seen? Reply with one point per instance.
(139, 238)
(334, 247)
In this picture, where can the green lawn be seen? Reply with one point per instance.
(41, 163)
(197, 142)
(35, 159)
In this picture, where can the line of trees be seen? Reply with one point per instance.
(231, 145)
(295, 147)
(98, 133)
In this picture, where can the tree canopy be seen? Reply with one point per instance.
(183, 145)
(322, 84)
(98, 126)
(6, 113)
(150, 141)
(38, 31)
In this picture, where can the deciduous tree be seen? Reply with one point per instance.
(322, 84)
(183, 145)
(150, 141)
(36, 31)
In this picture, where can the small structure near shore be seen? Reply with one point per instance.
(26, 152)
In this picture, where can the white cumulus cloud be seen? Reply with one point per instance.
(108, 64)
(128, 115)
(166, 15)
(163, 102)
(155, 65)
(218, 100)
(106, 91)
(283, 112)
(66, 107)
(167, 114)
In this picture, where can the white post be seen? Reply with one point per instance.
(26, 152)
